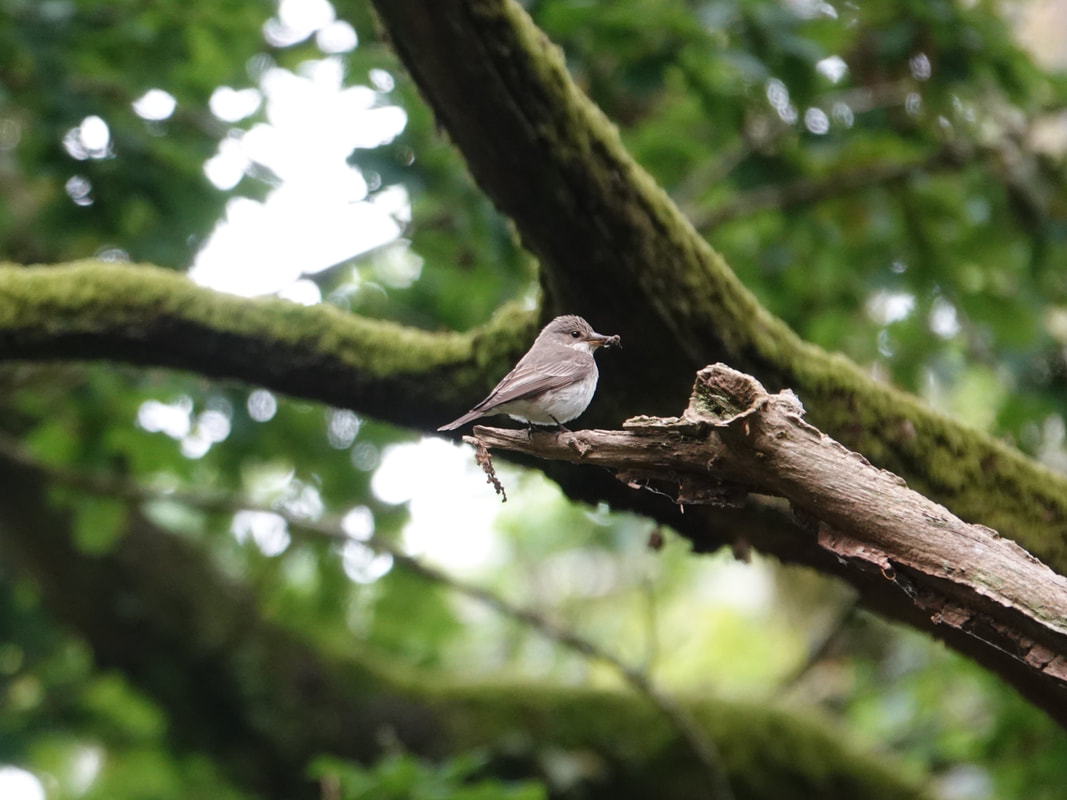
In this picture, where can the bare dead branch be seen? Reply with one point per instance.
(736, 438)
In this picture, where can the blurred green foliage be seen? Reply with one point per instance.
(947, 279)
(402, 777)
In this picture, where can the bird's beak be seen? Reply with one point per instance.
(600, 340)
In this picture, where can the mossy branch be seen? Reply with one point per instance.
(146, 315)
(609, 238)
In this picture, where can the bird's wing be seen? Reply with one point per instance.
(527, 380)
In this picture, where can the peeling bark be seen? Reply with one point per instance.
(736, 439)
(610, 239)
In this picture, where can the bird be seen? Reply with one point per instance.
(553, 383)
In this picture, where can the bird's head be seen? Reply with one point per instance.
(573, 331)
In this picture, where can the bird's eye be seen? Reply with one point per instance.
(575, 334)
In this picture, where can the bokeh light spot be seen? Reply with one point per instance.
(18, 784)
(261, 405)
(155, 105)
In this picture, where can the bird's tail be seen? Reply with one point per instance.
(461, 421)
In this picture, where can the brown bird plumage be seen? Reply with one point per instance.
(553, 383)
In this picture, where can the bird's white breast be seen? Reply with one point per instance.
(562, 405)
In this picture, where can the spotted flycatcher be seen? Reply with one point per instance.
(553, 383)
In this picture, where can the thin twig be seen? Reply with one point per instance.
(820, 649)
(812, 190)
(484, 460)
(683, 722)
(331, 528)
(760, 132)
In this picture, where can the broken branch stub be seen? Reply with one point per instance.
(736, 438)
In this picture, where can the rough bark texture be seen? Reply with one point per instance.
(736, 439)
(609, 239)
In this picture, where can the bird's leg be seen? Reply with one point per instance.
(559, 425)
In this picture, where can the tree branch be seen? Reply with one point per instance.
(551, 161)
(735, 439)
(157, 317)
(154, 316)
(614, 223)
